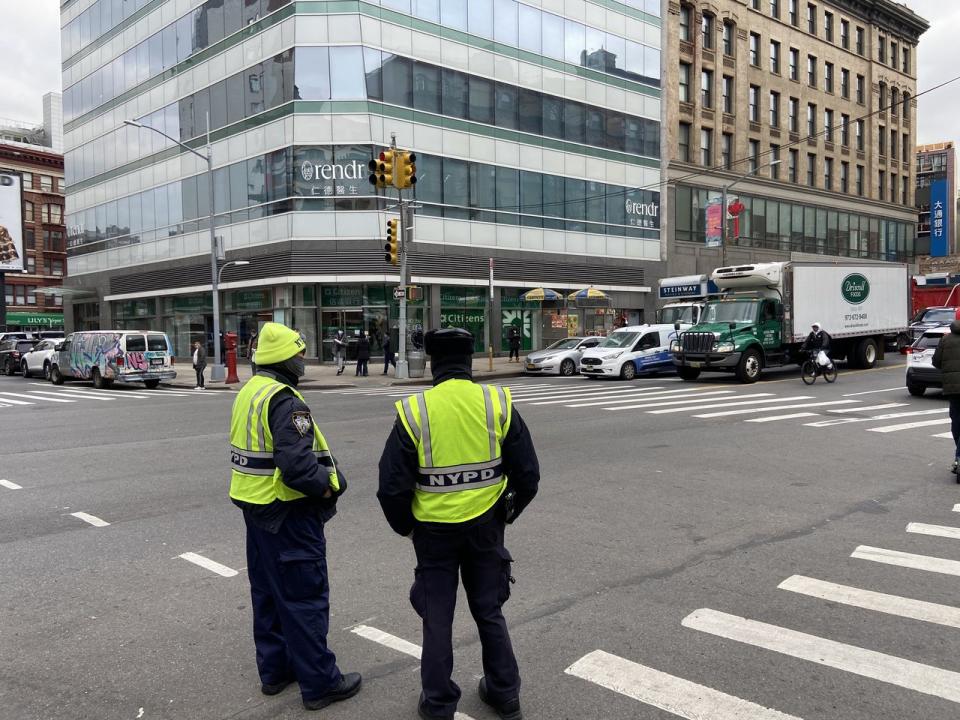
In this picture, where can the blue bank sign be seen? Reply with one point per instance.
(939, 219)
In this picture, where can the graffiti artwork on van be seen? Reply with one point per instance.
(137, 361)
(94, 350)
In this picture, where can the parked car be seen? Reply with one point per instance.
(105, 356)
(37, 361)
(629, 351)
(15, 336)
(560, 358)
(931, 317)
(11, 352)
(921, 374)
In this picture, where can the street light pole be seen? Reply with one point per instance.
(723, 207)
(217, 371)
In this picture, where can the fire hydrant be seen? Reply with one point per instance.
(231, 342)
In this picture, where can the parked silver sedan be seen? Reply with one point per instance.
(561, 358)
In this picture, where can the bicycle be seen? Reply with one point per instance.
(811, 368)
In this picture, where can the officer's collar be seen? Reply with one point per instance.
(278, 375)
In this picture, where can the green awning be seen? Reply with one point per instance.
(35, 319)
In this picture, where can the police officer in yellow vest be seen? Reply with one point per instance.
(286, 482)
(458, 465)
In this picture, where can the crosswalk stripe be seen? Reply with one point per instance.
(62, 393)
(574, 394)
(869, 408)
(8, 395)
(890, 669)
(774, 418)
(612, 398)
(747, 411)
(909, 426)
(944, 531)
(767, 401)
(110, 393)
(687, 394)
(673, 694)
(907, 560)
(92, 519)
(948, 435)
(871, 392)
(11, 401)
(956, 508)
(688, 401)
(9, 485)
(874, 418)
(208, 564)
(870, 600)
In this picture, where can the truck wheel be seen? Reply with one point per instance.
(628, 371)
(56, 377)
(751, 364)
(916, 390)
(688, 374)
(151, 384)
(866, 355)
(98, 381)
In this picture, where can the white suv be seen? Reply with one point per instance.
(921, 374)
(37, 361)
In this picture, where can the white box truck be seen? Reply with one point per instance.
(766, 310)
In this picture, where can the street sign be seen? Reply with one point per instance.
(398, 293)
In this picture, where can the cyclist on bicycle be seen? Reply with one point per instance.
(818, 340)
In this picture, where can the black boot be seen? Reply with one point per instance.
(275, 688)
(348, 687)
(507, 710)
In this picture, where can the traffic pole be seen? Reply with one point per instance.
(405, 235)
(489, 320)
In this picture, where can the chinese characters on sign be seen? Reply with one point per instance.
(939, 219)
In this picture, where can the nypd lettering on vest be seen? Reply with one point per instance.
(432, 480)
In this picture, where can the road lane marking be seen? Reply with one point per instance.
(956, 508)
(870, 600)
(208, 564)
(31, 397)
(870, 407)
(890, 669)
(772, 418)
(10, 485)
(575, 394)
(675, 695)
(948, 435)
(609, 398)
(909, 426)
(874, 418)
(944, 531)
(11, 401)
(870, 392)
(734, 404)
(907, 560)
(686, 402)
(747, 411)
(92, 519)
(67, 394)
(94, 391)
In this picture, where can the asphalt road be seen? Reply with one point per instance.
(659, 539)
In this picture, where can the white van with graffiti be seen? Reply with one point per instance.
(106, 356)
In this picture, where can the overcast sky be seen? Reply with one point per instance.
(31, 40)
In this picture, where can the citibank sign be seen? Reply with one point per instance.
(354, 170)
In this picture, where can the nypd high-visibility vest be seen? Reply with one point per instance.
(458, 428)
(255, 478)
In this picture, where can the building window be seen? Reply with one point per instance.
(53, 240)
(729, 32)
(775, 57)
(754, 102)
(828, 77)
(828, 25)
(845, 34)
(845, 83)
(811, 71)
(828, 125)
(685, 82)
(31, 294)
(728, 94)
(811, 170)
(706, 88)
(793, 160)
(726, 151)
(906, 60)
(686, 13)
(860, 47)
(844, 177)
(882, 137)
(706, 31)
(811, 18)
(894, 102)
(882, 49)
(46, 183)
(883, 184)
(684, 142)
(27, 180)
(794, 64)
(794, 115)
(29, 239)
(775, 165)
(52, 213)
(754, 151)
(706, 147)
(775, 109)
(828, 173)
(859, 133)
(894, 145)
(905, 192)
(775, 8)
(754, 49)
(754, 4)
(861, 82)
(31, 265)
(860, 180)
(906, 109)
(794, 15)
(906, 146)
(811, 120)
(28, 211)
(894, 54)
(845, 130)
(883, 98)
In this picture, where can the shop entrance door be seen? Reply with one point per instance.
(350, 321)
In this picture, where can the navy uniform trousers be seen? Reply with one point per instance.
(478, 555)
(291, 604)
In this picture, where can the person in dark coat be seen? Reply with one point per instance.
(818, 339)
(363, 354)
(389, 357)
(199, 363)
(946, 358)
(514, 339)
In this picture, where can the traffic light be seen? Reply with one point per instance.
(382, 169)
(406, 171)
(392, 247)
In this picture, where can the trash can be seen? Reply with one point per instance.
(416, 363)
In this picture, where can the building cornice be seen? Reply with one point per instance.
(887, 15)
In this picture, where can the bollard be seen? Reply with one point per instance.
(231, 342)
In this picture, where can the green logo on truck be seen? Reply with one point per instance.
(855, 288)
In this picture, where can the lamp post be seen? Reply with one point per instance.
(217, 371)
(723, 207)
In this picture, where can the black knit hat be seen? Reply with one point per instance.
(448, 341)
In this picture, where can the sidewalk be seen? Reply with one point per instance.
(323, 377)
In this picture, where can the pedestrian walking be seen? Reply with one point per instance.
(363, 354)
(947, 359)
(339, 350)
(199, 363)
(389, 357)
(287, 483)
(458, 466)
(514, 339)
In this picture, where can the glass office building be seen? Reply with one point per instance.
(537, 131)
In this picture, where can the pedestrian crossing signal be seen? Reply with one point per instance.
(392, 247)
